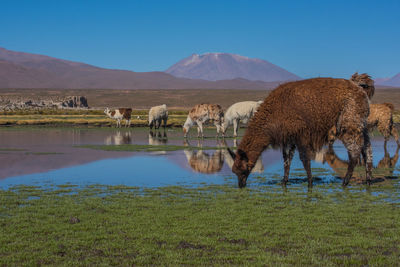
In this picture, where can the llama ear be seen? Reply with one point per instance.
(242, 155)
(233, 155)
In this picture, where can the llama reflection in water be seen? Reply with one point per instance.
(119, 138)
(157, 139)
(258, 167)
(383, 171)
(203, 162)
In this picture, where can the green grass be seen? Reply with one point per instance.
(54, 117)
(43, 153)
(11, 149)
(211, 225)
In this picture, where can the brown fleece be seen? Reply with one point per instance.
(214, 111)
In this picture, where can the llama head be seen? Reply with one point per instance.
(187, 125)
(241, 166)
(364, 81)
(106, 111)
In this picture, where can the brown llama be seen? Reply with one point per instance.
(381, 117)
(300, 115)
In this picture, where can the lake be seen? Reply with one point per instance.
(44, 156)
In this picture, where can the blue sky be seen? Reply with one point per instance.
(308, 38)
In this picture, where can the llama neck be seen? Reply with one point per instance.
(253, 145)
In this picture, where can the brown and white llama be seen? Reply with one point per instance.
(119, 114)
(201, 114)
(300, 115)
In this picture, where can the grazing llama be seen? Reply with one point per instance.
(157, 115)
(119, 114)
(239, 112)
(300, 115)
(202, 113)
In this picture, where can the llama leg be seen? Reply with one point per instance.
(367, 156)
(200, 129)
(305, 158)
(235, 124)
(218, 129)
(395, 134)
(353, 144)
(287, 157)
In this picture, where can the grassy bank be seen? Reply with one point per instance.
(215, 225)
(95, 118)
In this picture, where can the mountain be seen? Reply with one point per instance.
(224, 66)
(393, 81)
(25, 70)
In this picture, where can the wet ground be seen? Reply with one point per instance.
(51, 156)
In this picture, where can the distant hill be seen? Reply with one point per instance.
(24, 70)
(224, 66)
(393, 81)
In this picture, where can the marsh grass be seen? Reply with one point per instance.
(210, 225)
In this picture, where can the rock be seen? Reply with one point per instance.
(74, 220)
(67, 102)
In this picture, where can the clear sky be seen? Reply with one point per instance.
(308, 38)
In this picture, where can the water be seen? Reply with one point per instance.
(50, 156)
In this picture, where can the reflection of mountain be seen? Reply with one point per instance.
(50, 149)
(381, 172)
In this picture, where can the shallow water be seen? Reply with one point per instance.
(50, 156)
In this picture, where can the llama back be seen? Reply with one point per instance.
(303, 110)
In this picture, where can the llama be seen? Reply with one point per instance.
(300, 115)
(380, 116)
(202, 162)
(201, 114)
(239, 112)
(119, 114)
(157, 115)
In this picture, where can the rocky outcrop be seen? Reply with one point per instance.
(65, 103)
